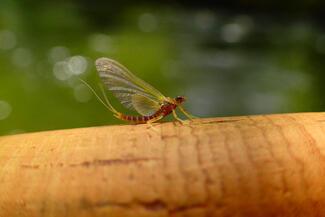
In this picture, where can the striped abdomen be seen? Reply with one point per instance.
(140, 119)
(163, 111)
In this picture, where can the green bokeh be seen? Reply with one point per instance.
(225, 62)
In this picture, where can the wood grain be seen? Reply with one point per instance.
(267, 165)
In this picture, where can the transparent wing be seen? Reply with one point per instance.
(144, 105)
(128, 88)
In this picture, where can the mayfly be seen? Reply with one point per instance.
(135, 94)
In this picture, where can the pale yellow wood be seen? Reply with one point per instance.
(267, 165)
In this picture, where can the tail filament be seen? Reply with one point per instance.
(106, 103)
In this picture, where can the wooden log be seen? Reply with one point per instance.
(266, 165)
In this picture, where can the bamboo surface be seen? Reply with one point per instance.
(266, 165)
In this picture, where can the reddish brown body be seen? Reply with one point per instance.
(164, 110)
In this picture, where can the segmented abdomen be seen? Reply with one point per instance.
(163, 111)
(140, 119)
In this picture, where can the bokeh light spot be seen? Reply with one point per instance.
(5, 110)
(77, 65)
(82, 93)
(61, 71)
(58, 53)
(232, 32)
(101, 43)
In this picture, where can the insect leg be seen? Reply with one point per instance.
(186, 113)
(150, 122)
(177, 118)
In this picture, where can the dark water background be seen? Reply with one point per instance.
(228, 58)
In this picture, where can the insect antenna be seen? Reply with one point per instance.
(107, 104)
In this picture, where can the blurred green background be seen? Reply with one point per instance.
(227, 57)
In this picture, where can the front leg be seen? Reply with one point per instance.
(177, 118)
(188, 115)
(151, 121)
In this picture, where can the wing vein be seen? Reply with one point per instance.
(131, 91)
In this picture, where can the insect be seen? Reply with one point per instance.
(135, 94)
